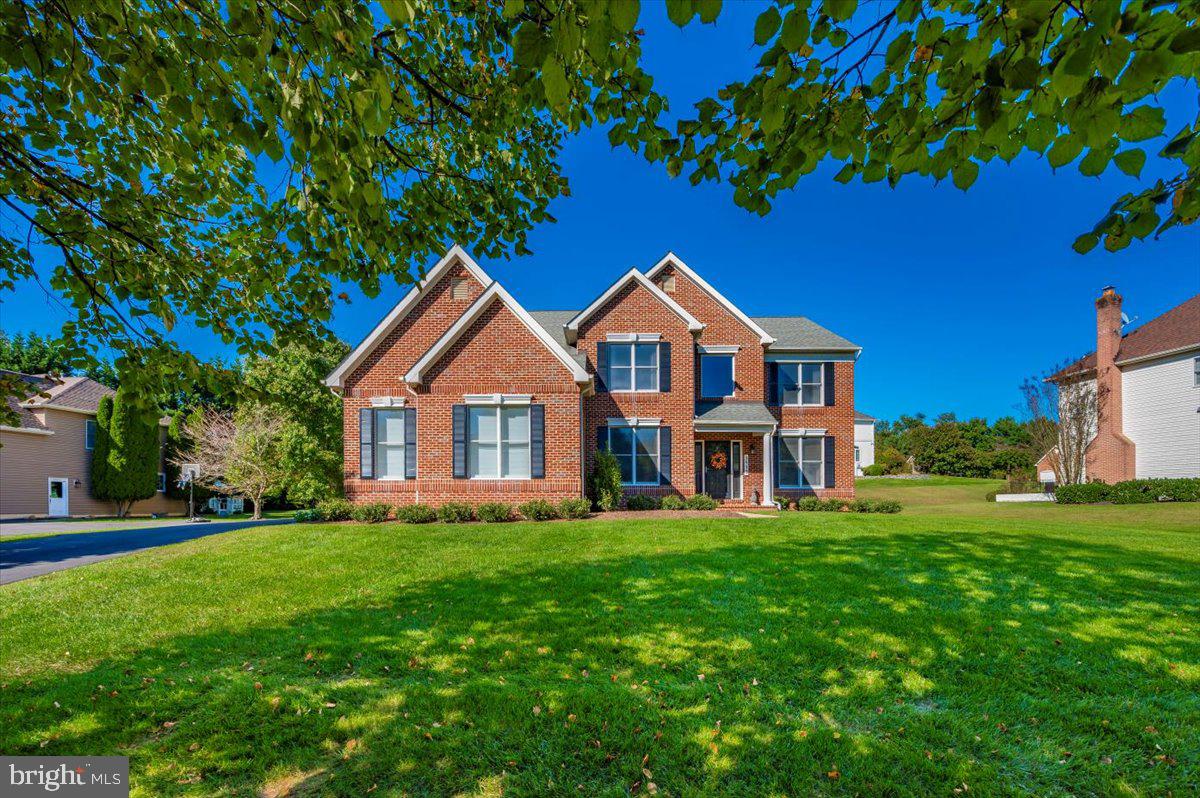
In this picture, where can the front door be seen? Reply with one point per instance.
(717, 469)
(57, 498)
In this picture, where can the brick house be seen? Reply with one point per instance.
(1148, 405)
(461, 394)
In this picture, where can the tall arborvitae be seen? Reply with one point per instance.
(131, 471)
(101, 474)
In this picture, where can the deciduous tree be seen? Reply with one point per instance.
(238, 452)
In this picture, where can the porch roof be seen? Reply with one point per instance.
(733, 416)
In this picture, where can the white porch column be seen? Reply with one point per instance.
(768, 492)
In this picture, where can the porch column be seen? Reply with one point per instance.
(768, 491)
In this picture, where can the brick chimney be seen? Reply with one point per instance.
(1110, 455)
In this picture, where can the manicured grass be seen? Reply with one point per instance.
(1053, 653)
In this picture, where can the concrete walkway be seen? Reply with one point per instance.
(23, 559)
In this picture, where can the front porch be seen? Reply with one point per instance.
(730, 440)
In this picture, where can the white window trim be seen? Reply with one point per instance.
(721, 349)
(388, 401)
(624, 338)
(162, 482)
(498, 399)
(800, 465)
(639, 423)
(1196, 372)
(800, 385)
(375, 445)
(732, 373)
(92, 425)
(633, 343)
(500, 442)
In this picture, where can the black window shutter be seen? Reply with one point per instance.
(664, 456)
(773, 383)
(537, 441)
(664, 366)
(410, 443)
(601, 438)
(776, 442)
(829, 462)
(459, 424)
(829, 392)
(366, 443)
(601, 366)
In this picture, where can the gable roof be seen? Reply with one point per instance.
(1174, 331)
(633, 275)
(861, 417)
(670, 259)
(455, 255)
(495, 292)
(796, 333)
(554, 322)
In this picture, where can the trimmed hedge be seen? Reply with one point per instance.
(335, 510)
(640, 501)
(1133, 491)
(455, 513)
(494, 512)
(372, 513)
(308, 515)
(874, 470)
(538, 510)
(415, 514)
(701, 501)
(673, 502)
(574, 508)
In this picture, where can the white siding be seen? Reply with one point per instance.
(1162, 416)
(864, 442)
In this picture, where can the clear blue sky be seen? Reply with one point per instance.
(954, 297)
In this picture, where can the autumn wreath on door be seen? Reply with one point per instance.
(717, 460)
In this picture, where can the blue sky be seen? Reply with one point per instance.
(955, 297)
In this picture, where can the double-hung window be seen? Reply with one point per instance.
(801, 383)
(637, 452)
(389, 444)
(801, 462)
(89, 434)
(632, 366)
(498, 442)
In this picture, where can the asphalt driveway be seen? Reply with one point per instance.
(23, 559)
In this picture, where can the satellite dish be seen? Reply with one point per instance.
(1125, 319)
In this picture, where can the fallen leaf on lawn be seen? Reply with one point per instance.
(833, 774)
(194, 747)
(167, 724)
(331, 704)
(258, 685)
(571, 717)
(537, 710)
(652, 788)
(349, 748)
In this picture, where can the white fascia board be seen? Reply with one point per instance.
(572, 326)
(455, 254)
(33, 405)
(493, 293)
(26, 430)
(670, 259)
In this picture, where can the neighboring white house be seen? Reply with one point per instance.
(1149, 423)
(864, 442)
(225, 505)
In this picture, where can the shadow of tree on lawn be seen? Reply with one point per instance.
(900, 665)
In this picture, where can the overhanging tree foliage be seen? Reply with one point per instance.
(229, 162)
(937, 87)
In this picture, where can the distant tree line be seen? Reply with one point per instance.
(950, 447)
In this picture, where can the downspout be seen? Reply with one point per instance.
(417, 479)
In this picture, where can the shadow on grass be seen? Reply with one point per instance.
(903, 665)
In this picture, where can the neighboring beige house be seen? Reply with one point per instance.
(45, 461)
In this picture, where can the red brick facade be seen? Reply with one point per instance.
(499, 353)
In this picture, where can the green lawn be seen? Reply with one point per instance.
(1013, 649)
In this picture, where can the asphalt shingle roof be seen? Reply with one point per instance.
(552, 321)
(1178, 328)
(734, 412)
(798, 332)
